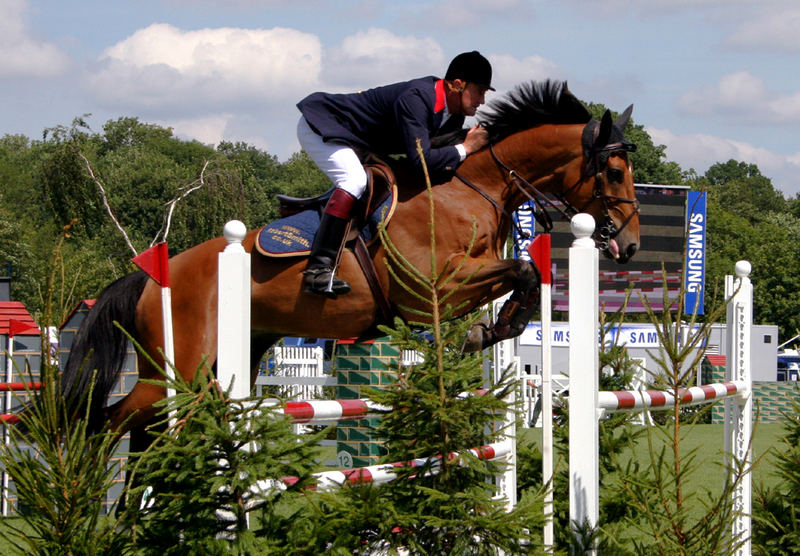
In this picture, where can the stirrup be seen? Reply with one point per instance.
(318, 281)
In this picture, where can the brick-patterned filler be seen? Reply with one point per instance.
(360, 367)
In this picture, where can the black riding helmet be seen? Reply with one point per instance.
(471, 67)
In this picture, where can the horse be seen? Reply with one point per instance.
(542, 141)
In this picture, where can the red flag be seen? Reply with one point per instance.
(155, 262)
(539, 250)
(19, 327)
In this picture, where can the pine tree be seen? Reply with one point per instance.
(212, 481)
(776, 519)
(61, 473)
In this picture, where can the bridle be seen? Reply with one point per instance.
(596, 162)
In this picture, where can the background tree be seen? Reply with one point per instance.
(749, 219)
(649, 160)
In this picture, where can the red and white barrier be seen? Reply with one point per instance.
(631, 400)
(326, 411)
(387, 472)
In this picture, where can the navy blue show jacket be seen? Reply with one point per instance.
(389, 120)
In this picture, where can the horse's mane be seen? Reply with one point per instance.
(531, 104)
(525, 106)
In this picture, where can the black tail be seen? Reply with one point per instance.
(100, 345)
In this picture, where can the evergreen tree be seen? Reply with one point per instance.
(776, 519)
(211, 483)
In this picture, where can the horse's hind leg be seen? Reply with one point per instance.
(135, 413)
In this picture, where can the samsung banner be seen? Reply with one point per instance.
(628, 335)
(527, 223)
(695, 278)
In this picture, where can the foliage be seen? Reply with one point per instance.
(775, 510)
(217, 461)
(61, 483)
(141, 167)
(659, 505)
(61, 474)
(749, 219)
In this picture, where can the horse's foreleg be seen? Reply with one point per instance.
(513, 316)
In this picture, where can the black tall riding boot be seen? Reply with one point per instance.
(325, 249)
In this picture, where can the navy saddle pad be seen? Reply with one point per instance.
(292, 236)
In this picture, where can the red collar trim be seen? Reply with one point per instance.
(441, 101)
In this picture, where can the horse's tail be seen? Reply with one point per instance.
(101, 346)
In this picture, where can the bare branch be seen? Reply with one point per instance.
(194, 186)
(105, 203)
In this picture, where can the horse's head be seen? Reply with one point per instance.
(605, 189)
(592, 175)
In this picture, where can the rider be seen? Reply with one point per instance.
(334, 128)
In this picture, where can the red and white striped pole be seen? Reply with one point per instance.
(539, 251)
(155, 263)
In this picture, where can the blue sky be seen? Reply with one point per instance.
(710, 79)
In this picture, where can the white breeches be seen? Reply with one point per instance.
(339, 162)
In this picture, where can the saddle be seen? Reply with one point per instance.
(300, 216)
(380, 185)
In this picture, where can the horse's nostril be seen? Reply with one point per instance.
(631, 250)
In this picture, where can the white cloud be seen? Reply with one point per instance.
(772, 29)
(699, 151)
(744, 95)
(209, 129)
(22, 55)
(508, 71)
(377, 56)
(164, 67)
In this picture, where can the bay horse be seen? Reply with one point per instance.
(542, 141)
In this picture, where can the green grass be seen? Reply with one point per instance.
(708, 440)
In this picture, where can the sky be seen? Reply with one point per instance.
(712, 80)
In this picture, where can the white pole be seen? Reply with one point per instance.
(583, 375)
(169, 339)
(7, 409)
(233, 317)
(739, 410)
(503, 357)
(546, 394)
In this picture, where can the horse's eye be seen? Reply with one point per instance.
(615, 175)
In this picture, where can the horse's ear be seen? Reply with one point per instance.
(604, 133)
(623, 119)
